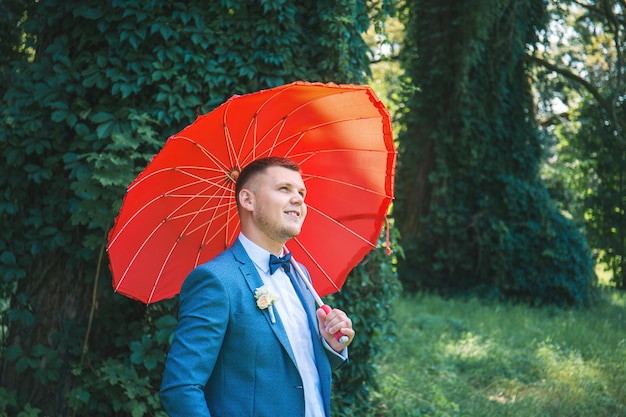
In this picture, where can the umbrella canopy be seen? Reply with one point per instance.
(181, 210)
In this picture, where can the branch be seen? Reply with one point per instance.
(389, 58)
(605, 104)
(606, 13)
(94, 303)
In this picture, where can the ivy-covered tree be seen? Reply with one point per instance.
(471, 207)
(96, 88)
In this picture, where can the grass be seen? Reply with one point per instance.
(454, 357)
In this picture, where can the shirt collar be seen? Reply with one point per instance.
(259, 256)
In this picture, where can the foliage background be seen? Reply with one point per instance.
(91, 90)
(473, 211)
(579, 76)
(498, 193)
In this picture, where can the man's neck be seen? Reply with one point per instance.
(275, 248)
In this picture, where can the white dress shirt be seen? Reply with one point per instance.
(295, 321)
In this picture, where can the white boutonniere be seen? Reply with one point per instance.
(265, 299)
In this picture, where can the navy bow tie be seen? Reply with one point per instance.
(276, 262)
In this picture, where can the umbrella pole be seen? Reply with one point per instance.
(341, 338)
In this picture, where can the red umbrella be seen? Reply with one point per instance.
(181, 211)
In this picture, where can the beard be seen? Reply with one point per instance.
(275, 230)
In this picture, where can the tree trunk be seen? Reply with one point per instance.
(59, 299)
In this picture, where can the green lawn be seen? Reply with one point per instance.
(470, 358)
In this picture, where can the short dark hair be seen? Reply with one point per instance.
(259, 166)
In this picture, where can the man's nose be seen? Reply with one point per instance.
(297, 199)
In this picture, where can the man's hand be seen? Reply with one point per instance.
(333, 322)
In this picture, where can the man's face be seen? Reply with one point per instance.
(279, 208)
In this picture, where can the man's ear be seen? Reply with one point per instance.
(246, 199)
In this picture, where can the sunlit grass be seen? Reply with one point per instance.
(470, 358)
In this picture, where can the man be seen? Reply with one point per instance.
(236, 355)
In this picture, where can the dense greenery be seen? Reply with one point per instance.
(471, 358)
(91, 90)
(582, 108)
(473, 212)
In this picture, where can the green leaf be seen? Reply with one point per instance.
(102, 117)
(81, 129)
(71, 119)
(81, 395)
(166, 326)
(22, 364)
(59, 115)
(13, 352)
(92, 79)
(192, 101)
(8, 258)
(92, 13)
(139, 409)
(38, 350)
(137, 355)
(150, 362)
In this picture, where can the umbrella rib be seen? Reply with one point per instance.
(165, 261)
(310, 103)
(160, 274)
(253, 122)
(162, 170)
(317, 264)
(134, 257)
(212, 181)
(129, 221)
(229, 141)
(341, 225)
(146, 205)
(281, 123)
(132, 261)
(206, 225)
(348, 184)
(185, 231)
(308, 155)
(168, 217)
(201, 210)
(206, 240)
(206, 152)
(231, 238)
(182, 235)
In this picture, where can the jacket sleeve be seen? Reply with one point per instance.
(202, 321)
(336, 359)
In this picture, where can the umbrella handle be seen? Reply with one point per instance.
(340, 337)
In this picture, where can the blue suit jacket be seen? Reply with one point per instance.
(227, 359)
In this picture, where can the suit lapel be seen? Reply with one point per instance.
(321, 360)
(308, 301)
(305, 296)
(254, 281)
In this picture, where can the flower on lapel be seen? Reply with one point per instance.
(265, 299)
